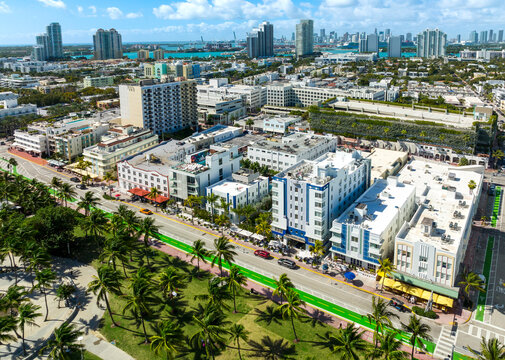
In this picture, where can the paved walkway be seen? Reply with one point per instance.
(26, 156)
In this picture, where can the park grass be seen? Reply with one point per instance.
(86, 355)
(129, 337)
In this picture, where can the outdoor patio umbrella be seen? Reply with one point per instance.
(350, 275)
(325, 266)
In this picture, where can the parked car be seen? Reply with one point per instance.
(262, 253)
(146, 211)
(75, 179)
(287, 263)
(81, 186)
(397, 304)
(491, 190)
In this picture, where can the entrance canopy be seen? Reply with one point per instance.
(138, 192)
(158, 199)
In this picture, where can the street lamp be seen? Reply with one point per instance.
(80, 343)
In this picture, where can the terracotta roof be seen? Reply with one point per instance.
(138, 192)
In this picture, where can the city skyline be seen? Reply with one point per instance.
(156, 20)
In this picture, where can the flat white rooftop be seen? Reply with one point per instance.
(233, 188)
(381, 203)
(445, 199)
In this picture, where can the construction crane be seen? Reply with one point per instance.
(201, 38)
(235, 36)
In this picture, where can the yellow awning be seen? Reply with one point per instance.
(426, 295)
(388, 282)
(415, 291)
(400, 286)
(444, 301)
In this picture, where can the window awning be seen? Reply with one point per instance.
(138, 192)
(295, 238)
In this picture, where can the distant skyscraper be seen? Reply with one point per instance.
(322, 33)
(381, 36)
(409, 37)
(490, 38)
(483, 37)
(500, 36)
(260, 41)
(387, 33)
(293, 36)
(304, 37)
(394, 47)
(55, 42)
(431, 43)
(49, 45)
(107, 44)
(474, 37)
(458, 38)
(372, 43)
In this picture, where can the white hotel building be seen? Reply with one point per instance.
(308, 196)
(290, 150)
(243, 188)
(430, 248)
(366, 231)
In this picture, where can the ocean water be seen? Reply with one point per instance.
(382, 54)
(187, 55)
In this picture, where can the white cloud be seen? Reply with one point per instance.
(54, 3)
(227, 10)
(116, 13)
(92, 8)
(80, 9)
(338, 3)
(134, 15)
(4, 8)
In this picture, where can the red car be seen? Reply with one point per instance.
(262, 253)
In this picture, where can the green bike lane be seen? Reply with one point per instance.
(311, 300)
(481, 301)
(496, 206)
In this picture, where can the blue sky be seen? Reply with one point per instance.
(163, 20)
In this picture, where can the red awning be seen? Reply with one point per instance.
(138, 192)
(159, 199)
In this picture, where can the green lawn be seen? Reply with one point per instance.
(86, 355)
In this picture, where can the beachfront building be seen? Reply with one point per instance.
(308, 196)
(366, 231)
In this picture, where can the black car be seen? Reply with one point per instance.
(81, 186)
(491, 190)
(397, 304)
(75, 179)
(287, 263)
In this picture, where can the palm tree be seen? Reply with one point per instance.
(153, 193)
(418, 332)
(168, 338)
(64, 292)
(390, 348)
(45, 279)
(27, 315)
(318, 249)
(170, 280)
(490, 349)
(224, 250)
(96, 225)
(212, 200)
(472, 185)
(138, 302)
(55, 185)
(471, 281)
(235, 281)
(292, 308)
(381, 316)
(498, 155)
(263, 228)
(282, 285)
(217, 294)
(66, 192)
(8, 324)
(13, 298)
(12, 164)
(63, 342)
(88, 201)
(237, 333)
(386, 267)
(347, 344)
(108, 177)
(147, 229)
(114, 249)
(107, 281)
(198, 252)
(249, 122)
(210, 324)
(222, 221)
(191, 202)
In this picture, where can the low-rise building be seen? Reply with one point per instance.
(430, 248)
(386, 162)
(254, 96)
(220, 109)
(203, 169)
(279, 124)
(366, 231)
(9, 105)
(280, 154)
(308, 196)
(119, 143)
(242, 188)
(100, 81)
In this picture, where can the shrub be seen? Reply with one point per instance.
(430, 314)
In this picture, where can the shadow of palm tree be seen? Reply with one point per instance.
(270, 349)
(317, 317)
(270, 315)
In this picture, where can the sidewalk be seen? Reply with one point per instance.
(26, 156)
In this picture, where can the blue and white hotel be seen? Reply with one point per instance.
(309, 195)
